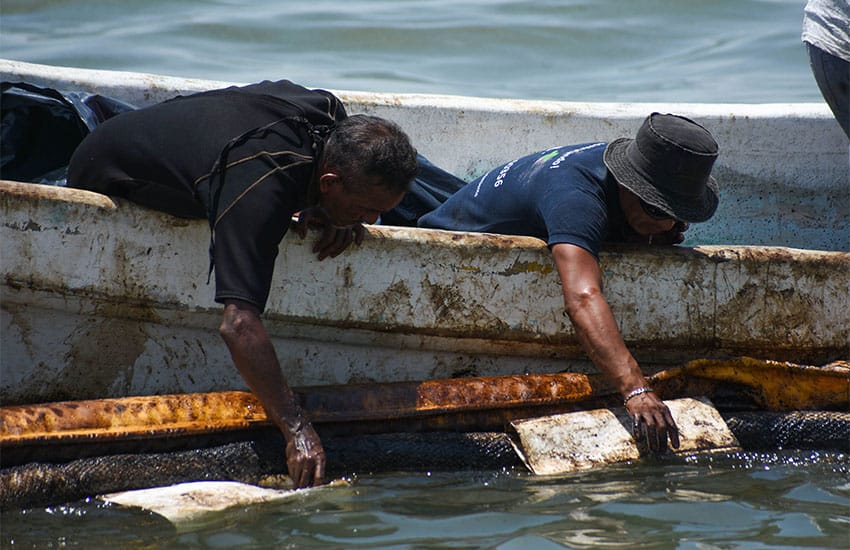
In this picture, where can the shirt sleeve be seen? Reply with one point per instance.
(247, 237)
(574, 215)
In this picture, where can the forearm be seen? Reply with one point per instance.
(600, 338)
(597, 331)
(591, 316)
(255, 358)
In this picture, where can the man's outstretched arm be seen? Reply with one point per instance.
(600, 337)
(256, 360)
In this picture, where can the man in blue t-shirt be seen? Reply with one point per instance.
(579, 196)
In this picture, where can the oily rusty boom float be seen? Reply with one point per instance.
(73, 449)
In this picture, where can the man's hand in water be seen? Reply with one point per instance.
(652, 420)
(305, 456)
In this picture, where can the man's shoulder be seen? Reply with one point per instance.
(589, 153)
(281, 88)
(567, 168)
(285, 94)
(264, 87)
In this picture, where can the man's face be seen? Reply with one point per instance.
(348, 203)
(637, 216)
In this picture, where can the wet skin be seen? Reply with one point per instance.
(597, 330)
(342, 209)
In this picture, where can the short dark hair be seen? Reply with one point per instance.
(363, 145)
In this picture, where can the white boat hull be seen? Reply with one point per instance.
(101, 298)
(104, 299)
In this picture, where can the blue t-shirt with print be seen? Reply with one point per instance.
(561, 195)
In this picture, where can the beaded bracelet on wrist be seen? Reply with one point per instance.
(635, 392)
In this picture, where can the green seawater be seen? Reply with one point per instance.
(789, 499)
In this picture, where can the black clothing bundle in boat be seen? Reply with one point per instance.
(42, 126)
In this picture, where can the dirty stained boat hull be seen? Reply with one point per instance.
(100, 298)
(105, 299)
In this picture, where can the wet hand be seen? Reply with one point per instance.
(334, 239)
(305, 457)
(652, 420)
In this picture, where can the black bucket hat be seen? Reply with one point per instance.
(668, 165)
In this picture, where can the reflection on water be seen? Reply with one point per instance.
(789, 499)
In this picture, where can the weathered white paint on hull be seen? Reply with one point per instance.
(102, 298)
(783, 168)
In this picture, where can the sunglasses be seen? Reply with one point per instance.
(655, 212)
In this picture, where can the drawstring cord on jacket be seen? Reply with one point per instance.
(317, 134)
